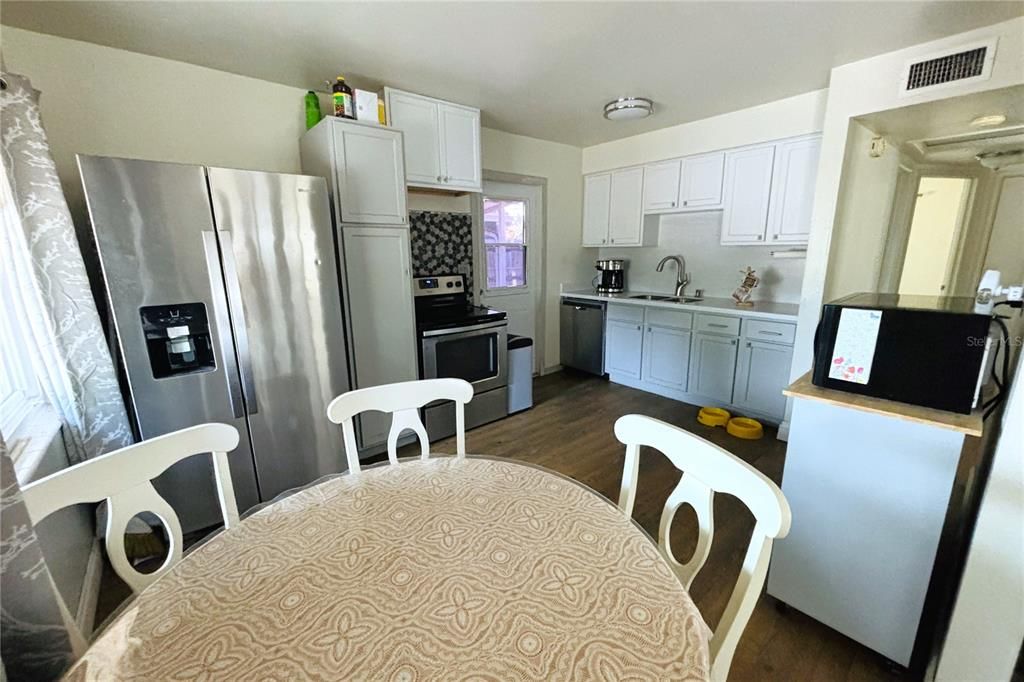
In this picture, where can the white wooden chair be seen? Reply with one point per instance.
(708, 469)
(122, 477)
(403, 401)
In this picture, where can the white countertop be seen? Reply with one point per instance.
(766, 310)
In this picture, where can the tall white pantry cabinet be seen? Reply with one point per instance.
(365, 168)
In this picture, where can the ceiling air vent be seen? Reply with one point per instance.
(964, 64)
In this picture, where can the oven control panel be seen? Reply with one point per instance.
(438, 285)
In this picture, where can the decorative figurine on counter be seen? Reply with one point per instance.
(742, 293)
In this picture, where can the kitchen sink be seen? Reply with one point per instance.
(661, 297)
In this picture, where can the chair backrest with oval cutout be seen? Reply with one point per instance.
(123, 478)
(708, 469)
(403, 401)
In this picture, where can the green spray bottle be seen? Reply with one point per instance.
(313, 115)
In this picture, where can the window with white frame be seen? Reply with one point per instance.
(20, 393)
(505, 243)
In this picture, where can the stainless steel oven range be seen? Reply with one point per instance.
(458, 339)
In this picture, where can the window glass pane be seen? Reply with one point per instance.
(506, 266)
(504, 221)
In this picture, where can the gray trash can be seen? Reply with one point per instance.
(520, 373)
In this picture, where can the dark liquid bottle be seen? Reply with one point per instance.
(344, 104)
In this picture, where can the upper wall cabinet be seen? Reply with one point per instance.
(661, 186)
(442, 141)
(769, 192)
(748, 186)
(366, 165)
(701, 184)
(613, 210)
(796, 169)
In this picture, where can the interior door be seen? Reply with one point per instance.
(158, 248)
(509, 238)
(371, 175)
(277, 244)
(460, 146)
(384, 346)
(417, 117)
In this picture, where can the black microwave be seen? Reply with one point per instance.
(922, 350)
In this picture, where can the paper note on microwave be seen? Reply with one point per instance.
(854, 348)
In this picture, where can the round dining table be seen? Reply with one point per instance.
(449, 568)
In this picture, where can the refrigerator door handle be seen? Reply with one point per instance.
(223, 323)
(238, 318)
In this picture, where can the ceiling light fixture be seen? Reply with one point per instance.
(989, 120)
(626, 108)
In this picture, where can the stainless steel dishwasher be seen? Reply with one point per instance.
(582, 331)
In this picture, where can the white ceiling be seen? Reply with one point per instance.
(539, 69)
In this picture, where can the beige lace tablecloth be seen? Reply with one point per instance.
(444, 569)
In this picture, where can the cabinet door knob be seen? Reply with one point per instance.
(748, 344)
(733, 342)
(439, 178)
(613, 241)
(672, 203)
(638, 327)
(603, 241)
(760, 237)
(685, 203)
(775, 236)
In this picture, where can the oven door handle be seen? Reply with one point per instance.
(462, 330)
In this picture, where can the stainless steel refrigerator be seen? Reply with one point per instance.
(224, 288)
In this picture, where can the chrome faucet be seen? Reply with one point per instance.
(682, 276)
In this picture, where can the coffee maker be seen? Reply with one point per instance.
(612, 277)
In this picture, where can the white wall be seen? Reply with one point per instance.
(862, 215)
(712, 266)
(987, 625)
(100, 100)
(798, 115)
(865, 87)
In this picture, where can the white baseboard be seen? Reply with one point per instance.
(85, 617)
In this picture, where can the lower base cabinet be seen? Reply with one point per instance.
(666, 357)
(671, 353)
(713, 366)
(623, 343)
(761, 372)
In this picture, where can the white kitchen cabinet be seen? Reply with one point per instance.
(713, 366)
(381, 316)
(666, 356)
(597, 190)
(701, 183)
(746, 194)
(796, 169)
(365, 166)
(762, 372)
(625, 209)
(623, 348)
(442, 140)
(661, 186)
(419, 120)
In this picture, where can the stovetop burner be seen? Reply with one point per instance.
(443, 303)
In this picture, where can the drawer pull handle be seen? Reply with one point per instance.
(770, 333)
(715, 324)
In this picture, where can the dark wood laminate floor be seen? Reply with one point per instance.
(569, 430)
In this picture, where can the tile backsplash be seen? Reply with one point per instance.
(713, 266)
(442, 243)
